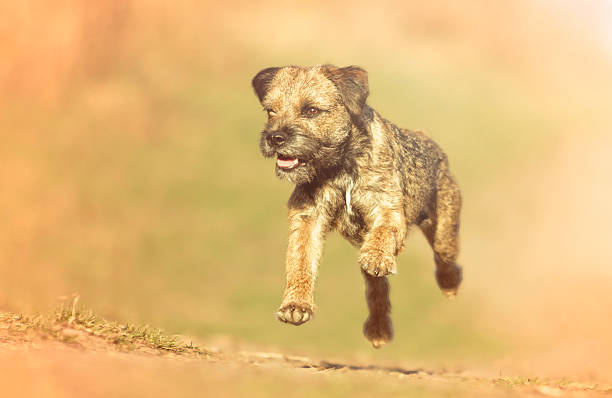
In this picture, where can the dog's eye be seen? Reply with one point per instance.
(312, 111)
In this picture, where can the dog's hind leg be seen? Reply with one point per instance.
(378, 328)
(442, 232)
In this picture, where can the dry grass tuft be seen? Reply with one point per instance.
(77, 327)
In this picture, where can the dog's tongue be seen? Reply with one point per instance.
(286, 163)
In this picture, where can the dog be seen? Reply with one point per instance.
(356, 173)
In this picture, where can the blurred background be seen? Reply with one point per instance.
(130, 172)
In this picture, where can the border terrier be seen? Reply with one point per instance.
(359, 174)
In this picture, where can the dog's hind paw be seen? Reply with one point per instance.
(378, 331)
(449, 280)
(294, 314)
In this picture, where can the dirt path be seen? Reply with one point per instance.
(57, 357)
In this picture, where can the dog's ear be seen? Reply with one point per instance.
(261, 81)
(352, 82)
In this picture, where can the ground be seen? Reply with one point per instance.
(72, 352)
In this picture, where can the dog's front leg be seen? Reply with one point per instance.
(306, 235)
(383, 242)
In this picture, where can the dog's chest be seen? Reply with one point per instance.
(349, 220)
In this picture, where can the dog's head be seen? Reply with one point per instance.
(311, 111)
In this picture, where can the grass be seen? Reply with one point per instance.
(78, 326)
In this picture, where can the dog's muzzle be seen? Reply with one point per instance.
(276, 140)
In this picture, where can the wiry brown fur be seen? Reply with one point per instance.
(360, 175)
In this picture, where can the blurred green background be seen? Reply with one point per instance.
(130, 169)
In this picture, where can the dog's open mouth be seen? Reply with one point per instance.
(287, 162)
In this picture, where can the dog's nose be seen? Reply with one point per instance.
(277, 138)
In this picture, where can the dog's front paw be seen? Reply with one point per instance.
(377, 263)
(294, 314)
